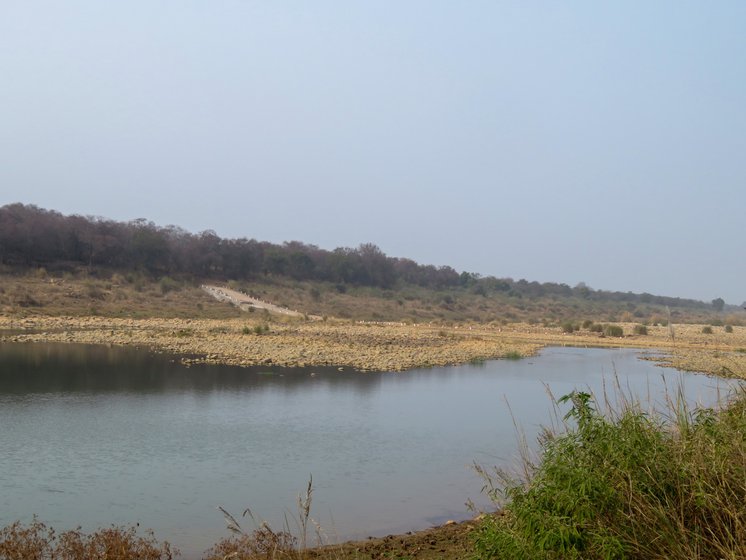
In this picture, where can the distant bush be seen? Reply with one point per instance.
(587, 324)
(596, 327)
(613, 330)
(168, 284)
(568, 327)
(25, 299)
(641, 329)
(94, 292)
(707, 330)
(729, 328)
(512, 355)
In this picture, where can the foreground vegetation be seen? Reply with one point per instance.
(627, 484)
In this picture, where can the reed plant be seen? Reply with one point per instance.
(265, 543)
(626, 483)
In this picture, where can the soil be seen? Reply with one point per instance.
(453, 541)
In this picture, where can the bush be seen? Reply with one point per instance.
(568, 327)
(587, 324)
(40, 542)
(707, 330)
(596, 327)
(641, 329)
(168, 284)
(729, 328)
(626, 486)
(613, 330)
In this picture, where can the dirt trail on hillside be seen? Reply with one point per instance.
(246, 302)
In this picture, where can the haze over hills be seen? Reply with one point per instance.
(32, 237)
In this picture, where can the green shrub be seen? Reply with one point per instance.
(587, 324)
(613, 330)
(626, 485)
(596, 327)
(168, 284)
(512, 355)
(729, 328)
(641, 329)
(568, 327)
(707, 330)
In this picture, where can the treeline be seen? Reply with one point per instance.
(35, 237)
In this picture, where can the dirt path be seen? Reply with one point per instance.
(245, 302)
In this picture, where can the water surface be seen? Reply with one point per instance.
(95, 436)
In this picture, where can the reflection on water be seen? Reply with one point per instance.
(97, 435)
(80, 368)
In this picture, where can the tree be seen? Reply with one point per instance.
(718, 304)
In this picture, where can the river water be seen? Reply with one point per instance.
(95, 436)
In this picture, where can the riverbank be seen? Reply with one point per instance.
(371, 345)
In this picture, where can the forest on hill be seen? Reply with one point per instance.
(32, 237)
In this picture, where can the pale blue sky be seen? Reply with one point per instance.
(553, 141)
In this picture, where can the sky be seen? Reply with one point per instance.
(596, 142)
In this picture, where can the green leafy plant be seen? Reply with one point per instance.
(613, 330)
(626, 484)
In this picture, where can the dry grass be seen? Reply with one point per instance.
(36, 541)
(136, 295)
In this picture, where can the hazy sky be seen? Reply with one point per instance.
(602, 142)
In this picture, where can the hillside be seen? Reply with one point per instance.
(56, 264)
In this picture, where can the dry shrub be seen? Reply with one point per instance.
(38, 542)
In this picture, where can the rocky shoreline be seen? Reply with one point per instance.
(370, 346)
